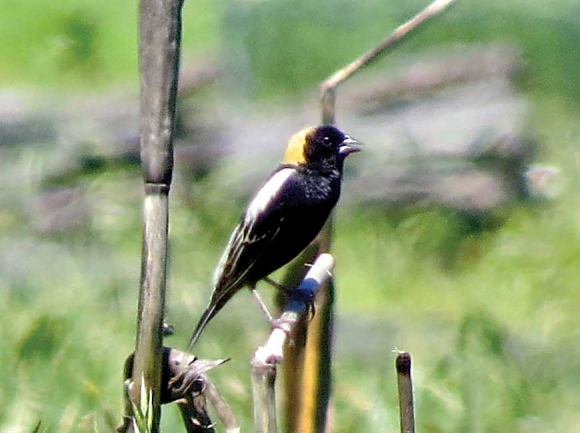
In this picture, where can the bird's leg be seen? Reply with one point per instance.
(275, 323)
(260, 302)
(276, 285)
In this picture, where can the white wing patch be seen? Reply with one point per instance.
(267, 193)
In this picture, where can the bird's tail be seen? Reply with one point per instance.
(207, 315)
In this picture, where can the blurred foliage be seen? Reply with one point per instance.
(486, 304)
(73, 43)
(41, 339)
(271, 48)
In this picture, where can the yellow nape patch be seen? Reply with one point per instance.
(295, 149)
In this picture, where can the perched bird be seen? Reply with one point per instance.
(284, 216)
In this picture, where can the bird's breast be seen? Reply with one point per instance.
(319, 187)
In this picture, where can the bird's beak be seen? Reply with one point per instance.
(348, 146)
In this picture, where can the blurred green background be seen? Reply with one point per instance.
(488, 309)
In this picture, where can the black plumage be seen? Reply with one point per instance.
(285, 215)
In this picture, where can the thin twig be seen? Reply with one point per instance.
(405, 386)
(223, 410)
(328, 87)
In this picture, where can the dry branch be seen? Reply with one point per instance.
(271, 353)
(185, 382)
(328, 87)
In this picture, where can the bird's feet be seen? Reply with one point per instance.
(304, 296)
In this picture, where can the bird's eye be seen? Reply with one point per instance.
(326, 140)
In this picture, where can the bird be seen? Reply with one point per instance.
(284, 216)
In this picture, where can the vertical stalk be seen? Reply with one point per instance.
(307, 363)
(405, 387)
(264, 397)
(159, 45)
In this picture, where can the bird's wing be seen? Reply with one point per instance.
(259, 223)
(255, 226)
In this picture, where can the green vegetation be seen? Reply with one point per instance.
(490, 316)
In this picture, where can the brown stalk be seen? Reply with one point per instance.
(405, 388)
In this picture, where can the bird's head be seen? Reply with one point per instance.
(322, 145)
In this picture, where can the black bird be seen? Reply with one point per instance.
(284, 216)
